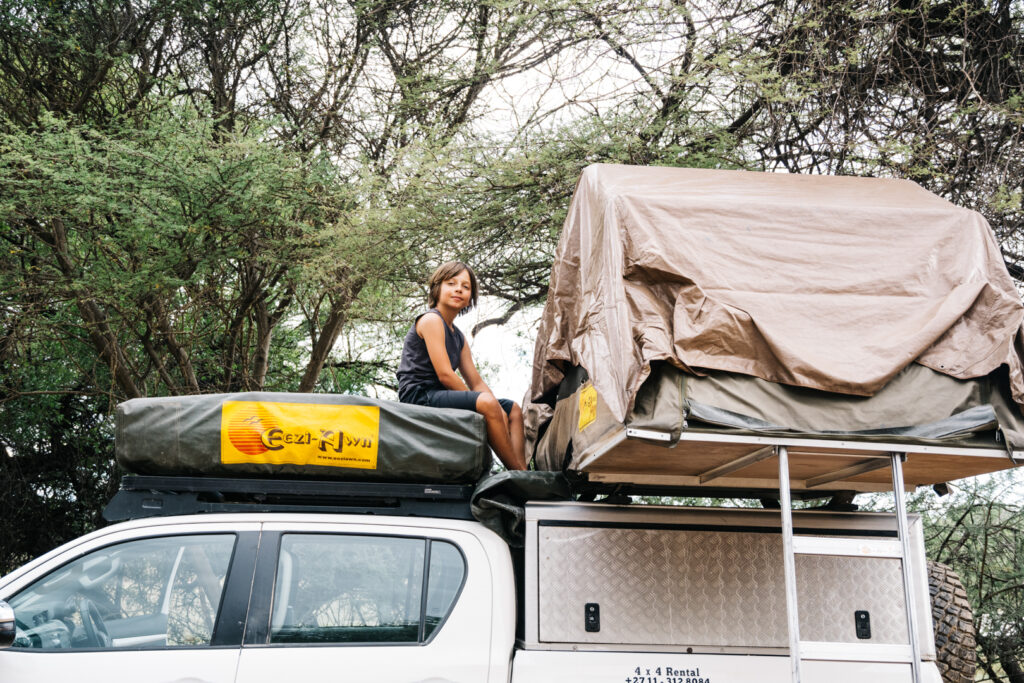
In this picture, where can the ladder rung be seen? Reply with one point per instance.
(855, 652)
(852, 547)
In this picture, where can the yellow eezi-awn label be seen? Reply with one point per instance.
(588, 405)
(299, 434)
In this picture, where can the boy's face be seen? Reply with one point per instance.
(456, 291)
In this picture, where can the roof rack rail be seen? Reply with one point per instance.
(585, 490)
(155, 496)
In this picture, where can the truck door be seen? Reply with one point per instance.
(368, 602)
(145, 606)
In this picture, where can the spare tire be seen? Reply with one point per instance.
(954, 625)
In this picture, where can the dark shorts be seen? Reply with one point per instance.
(463, 400)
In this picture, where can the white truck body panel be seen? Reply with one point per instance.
(533, 666)
(209, 665)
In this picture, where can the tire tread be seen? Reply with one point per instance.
(955, 646)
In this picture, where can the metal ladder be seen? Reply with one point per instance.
(899, 549)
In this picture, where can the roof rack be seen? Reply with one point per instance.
(587, 489)
(153, 496)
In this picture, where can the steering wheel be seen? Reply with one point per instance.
(96, 634)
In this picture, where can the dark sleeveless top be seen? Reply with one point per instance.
(416, 372)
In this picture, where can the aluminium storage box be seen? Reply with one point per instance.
(710, 580)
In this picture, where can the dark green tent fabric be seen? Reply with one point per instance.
(918, 403)
(499, 502)
(918, 406)
(182, 435)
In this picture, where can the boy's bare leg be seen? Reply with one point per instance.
(514, 428)
(498, 433)
(516, 432)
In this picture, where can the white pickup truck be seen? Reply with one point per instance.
(419, 591)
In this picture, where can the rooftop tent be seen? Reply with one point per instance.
(300, 435)
(697, 316)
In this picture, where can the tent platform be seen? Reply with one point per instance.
(717, 461)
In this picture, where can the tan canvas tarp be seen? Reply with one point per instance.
(830, 283)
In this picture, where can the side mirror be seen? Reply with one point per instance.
(7, 628)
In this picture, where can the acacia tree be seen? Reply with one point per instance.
(202, 196)
(929, 91)
(205, 196)
(380, 105)
(979, 534)
(209, 174)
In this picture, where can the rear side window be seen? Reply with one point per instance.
(447, 570)
(333, 588)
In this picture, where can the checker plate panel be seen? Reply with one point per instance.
(706, 588)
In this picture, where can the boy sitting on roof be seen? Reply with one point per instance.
(434, 349)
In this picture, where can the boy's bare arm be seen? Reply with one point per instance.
(469, 372)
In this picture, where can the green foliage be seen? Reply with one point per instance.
(978, 532)
(57, 473)
(186, 246)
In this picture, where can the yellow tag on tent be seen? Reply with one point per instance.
(262, 432)
(588, 405)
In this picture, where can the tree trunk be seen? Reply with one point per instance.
(1011, 665)
(95, 319)
(329, 334)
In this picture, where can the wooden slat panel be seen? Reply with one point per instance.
(927, 468)
(692, 458)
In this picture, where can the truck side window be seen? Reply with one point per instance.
(337, 588)
(447, 571)
(154, 592)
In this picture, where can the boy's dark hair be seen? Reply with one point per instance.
(444, 272)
